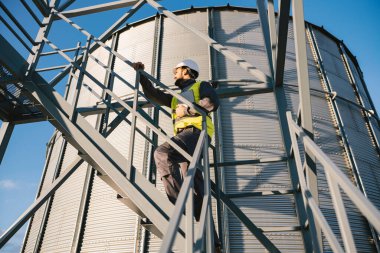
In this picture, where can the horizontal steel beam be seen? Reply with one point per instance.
(98, 8)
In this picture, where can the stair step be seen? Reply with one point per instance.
(256, 194)
(280, 229)
(152, 228)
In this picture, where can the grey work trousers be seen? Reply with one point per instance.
(171, 164)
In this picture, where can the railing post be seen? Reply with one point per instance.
(207, 190)
(130, 168)
(190, 219)
(80, 81)
(341, 214)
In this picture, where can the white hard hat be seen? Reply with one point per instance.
(188, 63)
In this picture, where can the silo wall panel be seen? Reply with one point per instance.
(62, 220)
(360, 86)
(240, 32)
(109, 224)
(246, 142)
(38, 217)
(258, 138)
(135, 44)
(324, 124)
(67, 201)
(87, 97)
(355, 125)
(364, 99)
(179, 43)
(339, 82)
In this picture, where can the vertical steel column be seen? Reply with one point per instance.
(273, 34)
(279, 92)
(264, 21)
(281, 40)
(305, 108)
(5, 135)
(78, 86)
(72, 72)
(216, 116)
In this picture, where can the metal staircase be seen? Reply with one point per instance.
(42, 102)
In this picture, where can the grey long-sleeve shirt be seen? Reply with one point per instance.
(162, 98)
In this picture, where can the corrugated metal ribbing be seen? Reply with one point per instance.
(63, 215)
(178, 43)
(364, 100)
(290, 68)
(257, 112)
(86, 97)
(259, 137)
(241, 33)
(326, 128)
(332, 63)
(136, 44)
(37, 219)
(69, 156)
(109, 225)
(62, 220)
(265, 211)
(359, 84)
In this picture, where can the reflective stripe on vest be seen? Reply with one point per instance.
(195, 120)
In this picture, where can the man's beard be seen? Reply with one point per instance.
(179, 82)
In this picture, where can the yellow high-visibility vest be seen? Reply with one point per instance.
(190, 120)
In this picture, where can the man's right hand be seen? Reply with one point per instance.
(181, 110)
(138, 65)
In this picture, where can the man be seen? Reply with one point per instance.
(187, 128)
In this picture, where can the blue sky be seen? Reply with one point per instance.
(354, 22)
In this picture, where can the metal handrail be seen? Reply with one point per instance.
(337, 181)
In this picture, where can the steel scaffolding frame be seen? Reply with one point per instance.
(118, 171)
